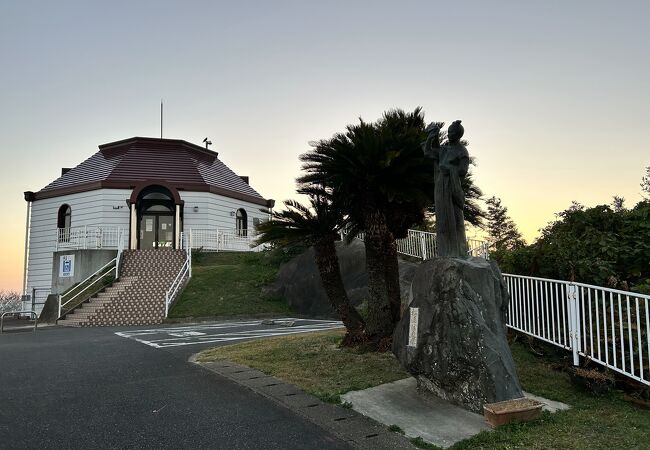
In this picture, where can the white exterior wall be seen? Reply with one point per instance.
(92, 208)
(108, 208)
(215, 211)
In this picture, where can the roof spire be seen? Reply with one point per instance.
(161, 118)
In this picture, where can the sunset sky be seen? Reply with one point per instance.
(554, 96)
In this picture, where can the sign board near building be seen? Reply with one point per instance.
(66, 266)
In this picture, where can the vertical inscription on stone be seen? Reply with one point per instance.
(413, 327)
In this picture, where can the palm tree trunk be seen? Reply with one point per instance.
(379, 324)
(393, 287)
(330, 273)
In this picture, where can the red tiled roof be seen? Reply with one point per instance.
(123, 164)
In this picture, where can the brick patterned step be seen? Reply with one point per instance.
(138, 297)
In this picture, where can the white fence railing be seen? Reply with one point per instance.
(88, 238)
(212, 239)
(219, 239)
(184, 274)
(608, 326)
(422, 245)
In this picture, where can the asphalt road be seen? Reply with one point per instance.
(90, 388)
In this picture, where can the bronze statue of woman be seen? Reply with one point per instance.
(451, 165)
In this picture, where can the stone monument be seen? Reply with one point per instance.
(452, 337)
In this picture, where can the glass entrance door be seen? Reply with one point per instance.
(148, 232)
(165, 237)
(156, 231)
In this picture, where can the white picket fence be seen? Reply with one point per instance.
(608, 326)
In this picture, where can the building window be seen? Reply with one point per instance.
(63, 221)
(242, 222)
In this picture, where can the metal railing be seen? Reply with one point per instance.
(37, 298)
(100, 274)
(478, 248)
(88, 238)
(120, 249)
(31, 314)
(608, 326)
(224, 240)
(418, 244)
(84, 287)
(422, 245)
(184, 274)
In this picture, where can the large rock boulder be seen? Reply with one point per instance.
(457, 347)
(298, 280)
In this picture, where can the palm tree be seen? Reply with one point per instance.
(379, 177)
(317, 225)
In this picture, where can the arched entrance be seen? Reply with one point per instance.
(156, 218)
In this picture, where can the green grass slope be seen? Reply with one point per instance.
(229, 284)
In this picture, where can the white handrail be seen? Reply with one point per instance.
(186, 269)
(61, 304)
(171, 293)
(120, 249)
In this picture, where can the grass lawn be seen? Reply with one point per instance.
(230, 284)
(315, 364)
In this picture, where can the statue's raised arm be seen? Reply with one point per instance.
(431, 146)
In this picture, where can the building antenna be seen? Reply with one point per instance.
(161, 118)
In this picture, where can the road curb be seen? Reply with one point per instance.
(348, 425)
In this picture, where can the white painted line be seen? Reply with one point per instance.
(246, 334)
(189, 328)
(218, 332)
(228, 339)
(217, 325)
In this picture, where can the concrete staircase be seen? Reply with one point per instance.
(138, 297)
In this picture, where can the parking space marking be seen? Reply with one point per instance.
(224, 332)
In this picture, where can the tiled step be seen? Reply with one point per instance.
(138, 297)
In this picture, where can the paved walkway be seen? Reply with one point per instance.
(430, 418)
(427, 416)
